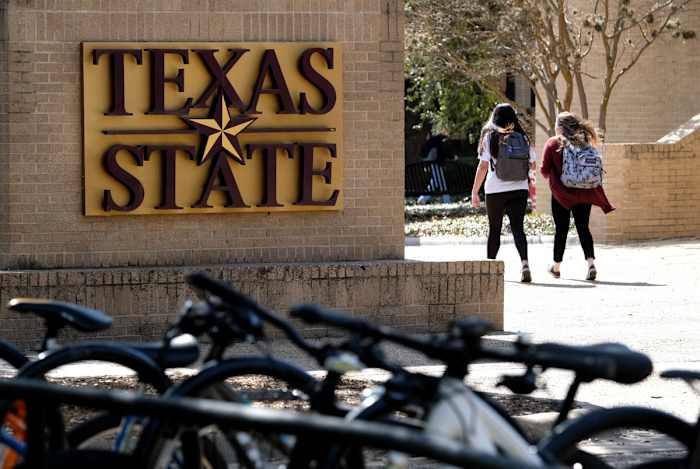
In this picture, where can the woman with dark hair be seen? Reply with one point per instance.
(576, 134)
(506, 157)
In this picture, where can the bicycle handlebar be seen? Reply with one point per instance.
(610, 361)
(237, 301)
(314, 314)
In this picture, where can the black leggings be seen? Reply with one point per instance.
(582, 214)
(514, 204)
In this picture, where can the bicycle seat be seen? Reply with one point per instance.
(182, 351)
(611, 361)
(685, 375)
(58, 314)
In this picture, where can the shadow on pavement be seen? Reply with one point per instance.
(621, 284)
(550, 285)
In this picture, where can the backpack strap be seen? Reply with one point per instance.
(490, 136)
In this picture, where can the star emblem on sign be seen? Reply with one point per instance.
(220, 132)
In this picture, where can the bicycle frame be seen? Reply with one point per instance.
(187, 411)
(463, 416)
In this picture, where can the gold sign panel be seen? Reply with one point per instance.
(173, 128)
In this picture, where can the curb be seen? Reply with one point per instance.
(462, 240)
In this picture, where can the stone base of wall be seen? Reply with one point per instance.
(409, 295)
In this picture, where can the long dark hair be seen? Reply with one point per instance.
(503, 120)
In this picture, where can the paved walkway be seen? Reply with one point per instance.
(647, 296)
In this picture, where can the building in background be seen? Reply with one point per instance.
(654, 186)
(659, 94)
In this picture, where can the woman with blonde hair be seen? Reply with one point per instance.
(572, 134)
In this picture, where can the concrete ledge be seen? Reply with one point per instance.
(410, 295)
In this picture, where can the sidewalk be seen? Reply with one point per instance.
(462, 240)
(646, 297)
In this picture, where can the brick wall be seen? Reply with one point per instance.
(656, 188)
(4, 125)
(40, 178)
(409, 295)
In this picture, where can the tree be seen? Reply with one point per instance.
(458, 106)
(547, 42)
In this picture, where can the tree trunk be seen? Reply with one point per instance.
(603, 115)
(582, 97)
(551, 106)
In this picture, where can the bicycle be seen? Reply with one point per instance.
(187, 411)
(232, 321)
(324, 400)
(609, 367)
(147, 360)
(681, 431)
(456, 404)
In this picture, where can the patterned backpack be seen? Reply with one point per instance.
(513, 162)
(582, 167)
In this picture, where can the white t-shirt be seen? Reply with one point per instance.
(494, 184)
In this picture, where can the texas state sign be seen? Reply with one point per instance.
(181, 128)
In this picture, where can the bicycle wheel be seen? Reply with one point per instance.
(106, 431)
(146, 369)
(583, 458)
(256, 381)
(12, 356)
(563, 443)
(71, 459)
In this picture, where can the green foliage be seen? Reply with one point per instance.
(459, 107)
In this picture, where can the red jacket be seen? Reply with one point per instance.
(566, 196)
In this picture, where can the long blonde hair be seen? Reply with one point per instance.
(576, 131)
